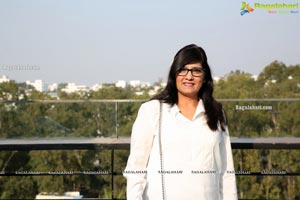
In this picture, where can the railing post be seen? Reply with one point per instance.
(116, 117)
(112, 173)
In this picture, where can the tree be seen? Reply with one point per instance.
(276, 71)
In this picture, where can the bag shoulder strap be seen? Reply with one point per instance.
(160, 150)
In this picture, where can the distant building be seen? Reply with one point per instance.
(255, 77)
(72, 87)
(216, 79)
(139, 93)
(67, 195)
(163, 84)
(96, 87)
(4, 79)
(37, 84)
(121, 84)
(152, 92)
(53, 95)
(53, 87)
(135, 83)
(145, 84)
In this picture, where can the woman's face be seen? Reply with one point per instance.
(189, 80)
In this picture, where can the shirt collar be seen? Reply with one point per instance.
(200, 109)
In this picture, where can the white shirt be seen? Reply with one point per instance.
(198, 162)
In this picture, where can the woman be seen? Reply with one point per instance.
(196, 153)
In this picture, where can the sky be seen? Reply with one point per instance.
(103, 41)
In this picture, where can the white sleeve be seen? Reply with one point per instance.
(140, 148)
(228, 189)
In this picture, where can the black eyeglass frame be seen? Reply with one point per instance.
(190, 70)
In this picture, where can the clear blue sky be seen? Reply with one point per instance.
(102, 41)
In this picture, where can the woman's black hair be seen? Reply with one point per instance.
(188, 55)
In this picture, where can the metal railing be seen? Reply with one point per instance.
(123, 143)
(113, 144)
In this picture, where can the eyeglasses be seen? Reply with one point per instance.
(196, 72)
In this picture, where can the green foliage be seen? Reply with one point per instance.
(18, 187)
(283, 120)
(236, 85)
(275, 71)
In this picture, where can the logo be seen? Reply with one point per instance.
(278, 8)
(270, 8)
(246, 8)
